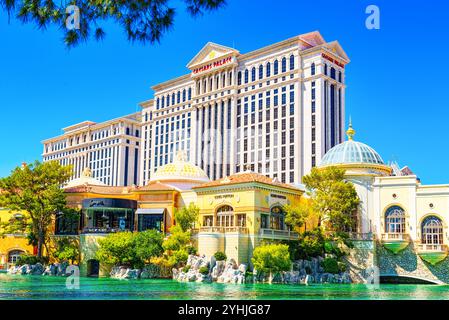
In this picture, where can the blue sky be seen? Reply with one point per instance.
(396, 81)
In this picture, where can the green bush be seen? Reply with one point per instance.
(30, 259)
(204, 271)
(310, 245)
(192, 250)
(130, 249)
(330, 265)
(186, 269)
(220, 256)
(271, 258)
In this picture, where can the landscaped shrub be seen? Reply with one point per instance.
(204, 271)
(272, 258)
(220, 256)
(30, 259)
(192, 250)
(310, 245)
(186, 269)
(330, 265)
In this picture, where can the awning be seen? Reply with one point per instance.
(150, 211)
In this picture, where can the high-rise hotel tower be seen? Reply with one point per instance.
(276, 110)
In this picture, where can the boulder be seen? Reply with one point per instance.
(37, 269)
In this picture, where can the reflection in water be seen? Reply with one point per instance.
(41, 287)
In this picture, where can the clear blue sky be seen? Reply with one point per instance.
(396, 82)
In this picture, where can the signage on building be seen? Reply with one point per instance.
(224, 196)
(212, 65)
(335, 61)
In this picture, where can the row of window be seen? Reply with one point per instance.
(267, 70)
(174, 98)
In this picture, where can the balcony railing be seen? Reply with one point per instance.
(224, 229)
(395, 237)
(431, 247)
(278, 234)
(361, 236)
(101, 230)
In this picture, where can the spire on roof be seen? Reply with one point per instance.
(350, 132)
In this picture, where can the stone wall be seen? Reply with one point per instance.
(408, 263)
(360, 260)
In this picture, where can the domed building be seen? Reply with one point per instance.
(180, 174)
(406, 217)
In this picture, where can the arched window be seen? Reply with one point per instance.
(239, 78)
(157, 103)
(395, 220)
(246, 75)
(184, 95)
(230, 78)
(178, 97)
(268, 71)
(162, 102)
(284, 64)
(217, 82)
(325, 69)
(225, 216)
(312, 69)
(167, 98)
(277, 218)
(204, 85)
(14, 255)
(275, 67)
(253, 74)
(432, 230)
(189, 94)
(211, 80)
(260, 72)
(292, 62)
(339, 76)
(173, 98)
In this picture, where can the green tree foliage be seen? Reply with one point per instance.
(310, 244)
(130, 249)
(271, 258)
(333, 198)
(66, 249)
(142, 21)
(18, 224)
(330, 265)
(176, 246)
(187, 216)
(297, 215)
(36, 189)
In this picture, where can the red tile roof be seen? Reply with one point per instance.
(246, 177)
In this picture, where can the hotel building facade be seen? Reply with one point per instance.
(111, 149)
(276, 110)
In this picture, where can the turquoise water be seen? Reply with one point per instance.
(39, 287)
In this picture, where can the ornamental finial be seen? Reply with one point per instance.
(181, 156)
(350, 132)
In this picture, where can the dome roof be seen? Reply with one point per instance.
(180, 170)
(85, 179)
(351, 152)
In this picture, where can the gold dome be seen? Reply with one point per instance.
(180, 170)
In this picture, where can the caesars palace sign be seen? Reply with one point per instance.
(213, 65)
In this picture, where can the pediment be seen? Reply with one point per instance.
(211, 52)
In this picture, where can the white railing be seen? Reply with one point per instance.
(224, 229)
(395, 236)
(361, 236)
(273, 233)
(431, 247)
